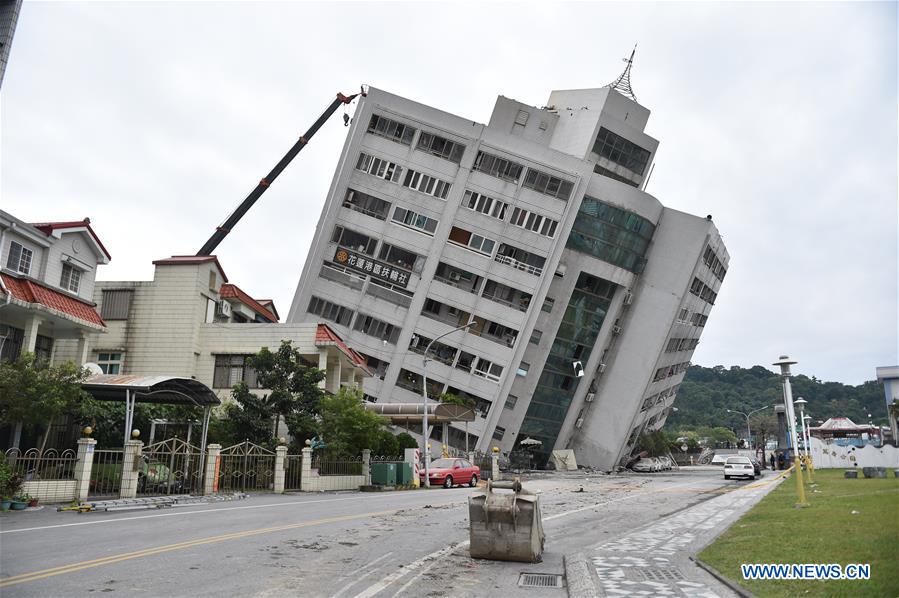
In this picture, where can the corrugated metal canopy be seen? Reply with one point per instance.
(438, 413)
(167, 390)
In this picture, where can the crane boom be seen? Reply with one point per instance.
(222, 231)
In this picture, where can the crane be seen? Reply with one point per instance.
(228, 225)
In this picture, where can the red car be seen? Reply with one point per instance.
(452, 472)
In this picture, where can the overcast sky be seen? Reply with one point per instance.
(156, 119)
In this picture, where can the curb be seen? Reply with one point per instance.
(738, 589)
(578, 579)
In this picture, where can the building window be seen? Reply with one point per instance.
(614, 175)
(377, 328)
(548, 304)
(366, 204)
(110, 363)
(535, 337)
(390, 129)
(711, 260)
(231, 369)
(703, 291)
(116, 304)
(440, 146)
(330, 311)
(43, 348)
(71, 278)
(498, 433)
(534, 222)
(523, 368)
(401, 258)
(11, 341)
(472, 241)
(698, 320)
(414, 220)
(548, 184)
(458, 277)
(619, 150)
(382, 169)
(498, 167)
(511, 400)
(377, 366)
(611, 234)
(353, 240)
(485, 205)
(19, 259)
(429, 185)
(488, 369)
(466, 360)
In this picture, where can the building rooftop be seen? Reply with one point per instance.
(30, 291)
(55, 229)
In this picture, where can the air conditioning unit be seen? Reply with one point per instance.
(590, 396)
(455, 276)
(601, 368)
(579, 422)
(628, 298)
(616, 329)
(223, 308)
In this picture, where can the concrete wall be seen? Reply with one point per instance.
(826, 456)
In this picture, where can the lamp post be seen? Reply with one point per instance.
(785, 362)
(804, 431)
(747, 416)
(424, 402)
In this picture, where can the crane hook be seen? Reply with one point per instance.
(346, 119)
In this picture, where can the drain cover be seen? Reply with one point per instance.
(661, 574)
(539, 580)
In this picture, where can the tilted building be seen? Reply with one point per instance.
(588, 296)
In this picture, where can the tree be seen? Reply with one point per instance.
(346, 426)
(37, 393)
(454, 399)
(248, 417)
(406, 441)
(294, 393)
(388, 445)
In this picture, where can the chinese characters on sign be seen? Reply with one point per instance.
(385, 272)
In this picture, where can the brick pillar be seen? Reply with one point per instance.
(280, 466)
(366, 466)
(210, 477)
(413, 456)
(131, 463)
(494, 470)
(306, 470)
(83, 467)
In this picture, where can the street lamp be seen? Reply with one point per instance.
(424, 401)
(801, 403)
(785, 362)
(747, 416)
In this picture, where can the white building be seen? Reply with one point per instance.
(588, 295)
(190, 321)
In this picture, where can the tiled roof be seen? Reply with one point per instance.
(177, 260)
(48, 227)
(325, 336)
(30, 291)
(232, 291)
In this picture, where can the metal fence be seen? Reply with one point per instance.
(293, 470)
(245, 467)
(170, 467)
(106, 473)
(326, 464)
(50, 464)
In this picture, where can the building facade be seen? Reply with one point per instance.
(191, 321)
(587, 296)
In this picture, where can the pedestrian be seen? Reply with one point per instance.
(781, 461)
(773, 461)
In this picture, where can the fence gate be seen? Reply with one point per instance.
(106, 473)
(245, 467)
(170, 467)
(293, 470)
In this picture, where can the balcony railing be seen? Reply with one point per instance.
(388, 295)
(521, 303)
(332, 274)
(511, 261)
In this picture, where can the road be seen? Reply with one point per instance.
(332, 544)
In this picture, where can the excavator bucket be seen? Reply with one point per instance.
(506, 526)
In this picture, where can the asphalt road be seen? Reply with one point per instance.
(331, 544)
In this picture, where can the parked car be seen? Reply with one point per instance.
(665, 462)
(452, 472)
(645, 465)
(756, 465)
(738, 467)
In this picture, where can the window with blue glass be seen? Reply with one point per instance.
(611, 234)
(584, 315)
(619, 150)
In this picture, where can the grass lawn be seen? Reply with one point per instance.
(774, 531)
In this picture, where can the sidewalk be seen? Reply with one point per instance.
(655, 560)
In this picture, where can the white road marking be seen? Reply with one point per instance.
(363, 576)
(387, 581)
(191, 512)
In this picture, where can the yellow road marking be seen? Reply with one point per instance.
(73, 567)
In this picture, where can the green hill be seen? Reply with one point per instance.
(707, 393)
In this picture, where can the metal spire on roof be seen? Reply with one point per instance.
(623, 83)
